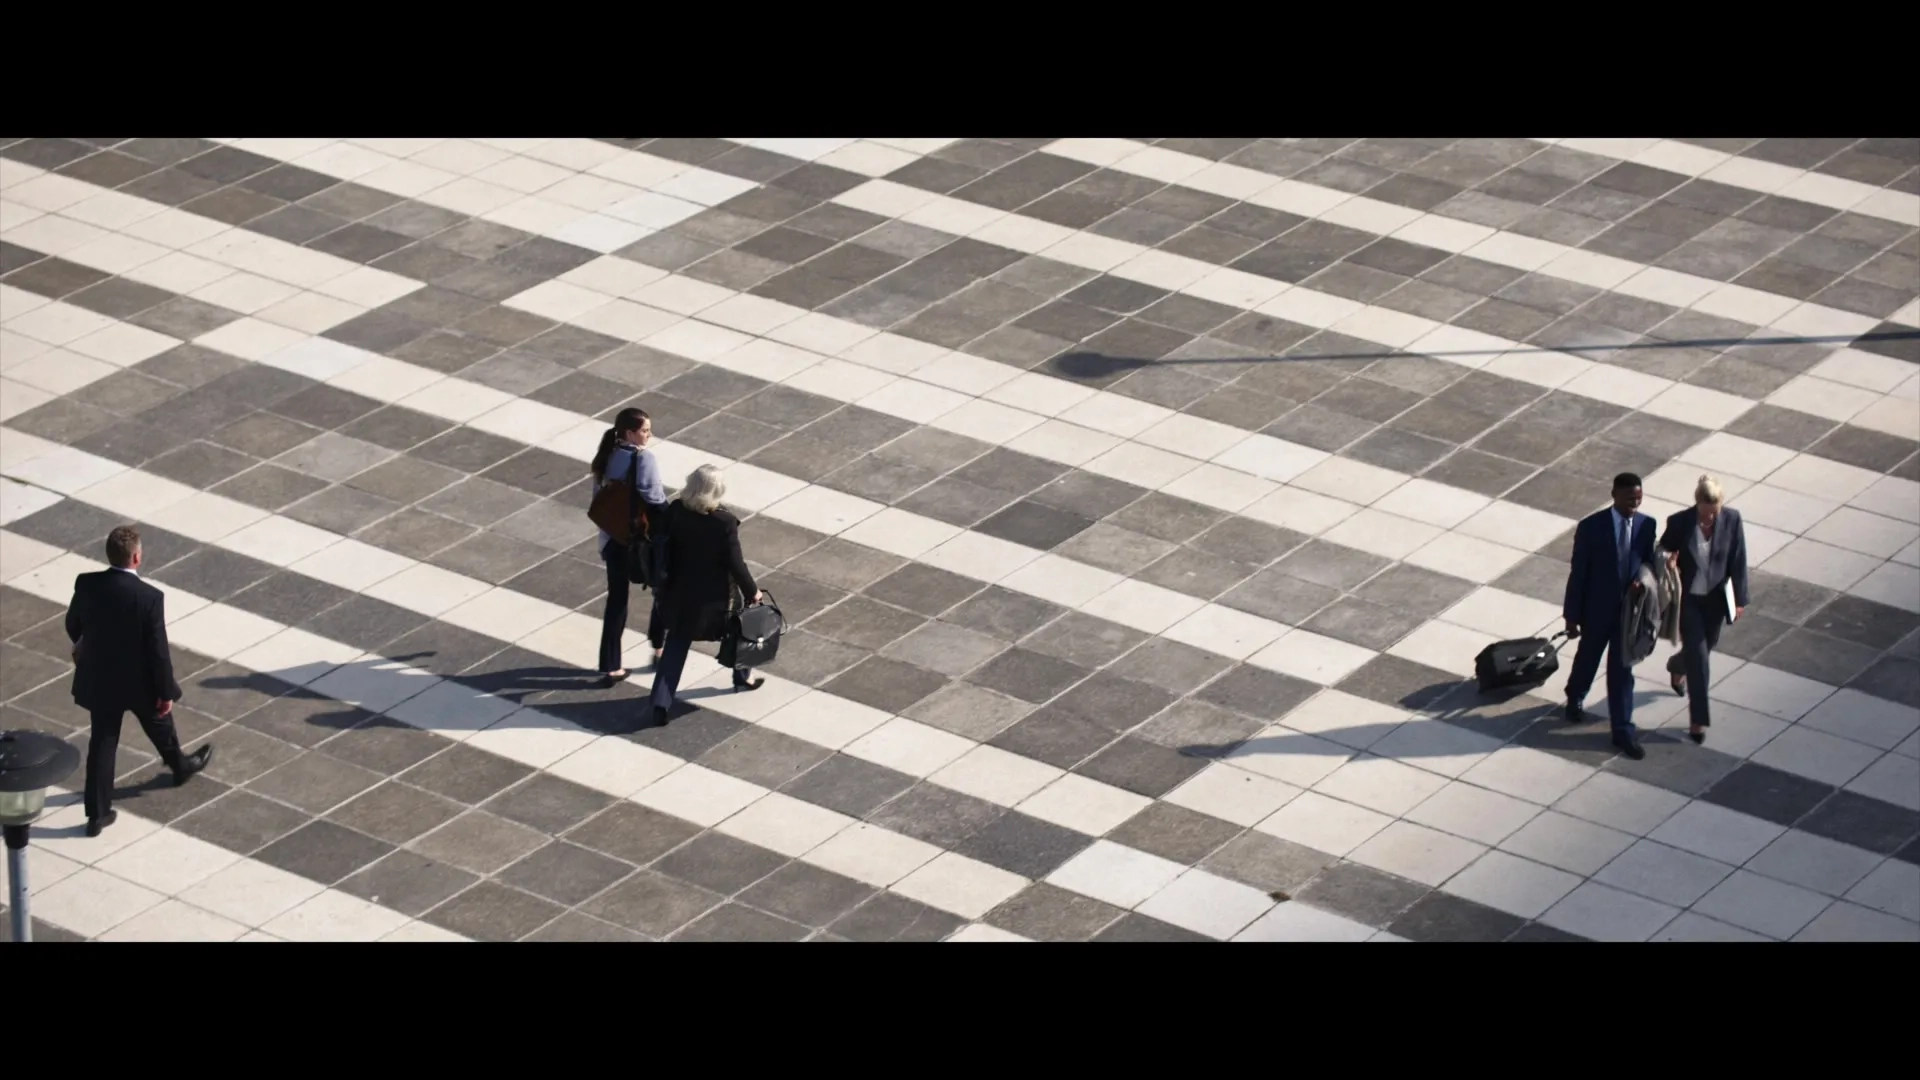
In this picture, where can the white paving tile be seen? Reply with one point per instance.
(1851, 922)
(1207, 904)
(1324, 824)
(1569, 843)
(1118, 875)
(1762, 905)
(1716, 832)
(1473, 812)
(171, 920)
(1893, 887)
(1513, 885)
(1232, 794)
(1417, 852)
(1606, 914)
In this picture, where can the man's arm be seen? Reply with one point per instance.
(1574, 607)
(76, 624)
(165, 690)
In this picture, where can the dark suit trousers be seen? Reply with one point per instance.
(1595, 638)
(1701, 618)
(103, 748)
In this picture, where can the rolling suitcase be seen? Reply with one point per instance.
(1521, 662)
(753, 635)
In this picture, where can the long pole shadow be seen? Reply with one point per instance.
(1089, 365)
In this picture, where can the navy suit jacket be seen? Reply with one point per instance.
(1597, 581)
(119, 622)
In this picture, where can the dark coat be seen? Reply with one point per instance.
(704, 567)
(1726, 555)
(1596, 582)
(119, 623)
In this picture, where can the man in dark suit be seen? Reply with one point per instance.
(1708, 544)
(1608, 550)
(118, 626)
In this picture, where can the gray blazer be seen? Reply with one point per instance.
(1726, 556)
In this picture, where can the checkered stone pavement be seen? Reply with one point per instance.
(1137, 505)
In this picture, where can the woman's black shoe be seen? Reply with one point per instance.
(743, 687)
(1699, 737)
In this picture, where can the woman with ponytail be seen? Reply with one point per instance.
(623, 454)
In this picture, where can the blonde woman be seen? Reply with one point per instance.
(704, 567)
(1709, 547)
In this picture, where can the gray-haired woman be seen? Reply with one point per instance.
(704, 567)
(1709, 544)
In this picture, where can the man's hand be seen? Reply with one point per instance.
(1573, 629)
(1739, 611)
(164, 708)
(757, 595)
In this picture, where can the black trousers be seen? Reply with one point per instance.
(613, 621)
(1701, 618)
(103, 748)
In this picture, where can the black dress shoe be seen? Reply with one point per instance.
(1575, 714)
(191, 764)
(1630, 746)
(659, 716)
(95, 825)
(1699, 737)
(751, 684)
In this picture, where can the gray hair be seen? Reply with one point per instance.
(1709, 491)
(705, 488)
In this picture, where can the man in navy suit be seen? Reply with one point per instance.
(1608, 550)
(123, 664)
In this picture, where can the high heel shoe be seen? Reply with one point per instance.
(613, 678)
(743, 687)
(1679, 685)
(1699, 737)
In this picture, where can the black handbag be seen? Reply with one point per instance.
(753, 635)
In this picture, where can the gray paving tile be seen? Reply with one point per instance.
(651, 903)
(408, 883)
(1441, 917)
(1361, 894)
(1174, 832)
(891, 917)
(1043, 912)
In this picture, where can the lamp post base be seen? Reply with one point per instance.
(17, 883)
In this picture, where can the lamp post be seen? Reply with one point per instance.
(30, 763)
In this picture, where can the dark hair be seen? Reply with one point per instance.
(627, 420)
(122, 542)
(1626, 481)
